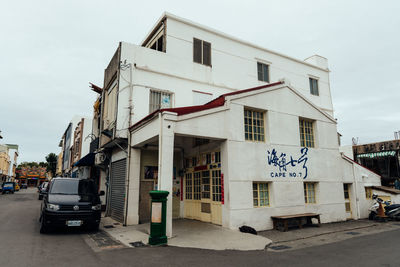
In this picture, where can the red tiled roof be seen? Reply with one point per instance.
(218, 102)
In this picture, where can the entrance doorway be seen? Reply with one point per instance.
(347, 201)
(203, 193)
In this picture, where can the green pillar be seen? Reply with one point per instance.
(158, 218)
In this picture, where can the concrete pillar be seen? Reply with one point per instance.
(165, 164)
(133, 187)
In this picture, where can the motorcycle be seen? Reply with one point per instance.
(380, 212)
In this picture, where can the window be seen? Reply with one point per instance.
(306, 133)
(260, 194)
(368, 192)
(188, 186)
(201, 52)
(263, 72)
(314, 86)
(216, 185)
(196, 185)
(309, 193)
(205, 183)
(254, 125)
(159, 100)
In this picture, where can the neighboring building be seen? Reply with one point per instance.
(67, 143)
(13, 153)
(4, 163)
(81, 149)
(382, 158)
(59, 164)
(32, 176)
(172, 115)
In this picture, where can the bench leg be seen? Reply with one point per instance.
(299, 223)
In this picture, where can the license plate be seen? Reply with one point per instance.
(74, 223)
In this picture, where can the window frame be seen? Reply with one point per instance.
(314, 82)
(202, 45)
(306, 192)
(368, 192)
(262, 64)
(267, 199)
(161, 93)
(303, 134)
(251, 126)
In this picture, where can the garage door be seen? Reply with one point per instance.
(117, 196)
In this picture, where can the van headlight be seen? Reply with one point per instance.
(53, 207)
(96, 207)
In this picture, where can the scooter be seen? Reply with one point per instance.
(380, 212)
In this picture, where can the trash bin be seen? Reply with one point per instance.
(158, 217)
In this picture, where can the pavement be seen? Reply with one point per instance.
(195, 234)
(189, 234)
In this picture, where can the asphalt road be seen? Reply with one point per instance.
(22, 245)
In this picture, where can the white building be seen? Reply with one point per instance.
(216, 164)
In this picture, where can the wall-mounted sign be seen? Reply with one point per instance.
(285, 165)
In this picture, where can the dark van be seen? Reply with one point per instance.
(70, 202)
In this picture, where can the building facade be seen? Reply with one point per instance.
(4, 163)
(174, 114)
(382, 158)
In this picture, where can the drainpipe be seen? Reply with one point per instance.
(356, 195)
(129, 146)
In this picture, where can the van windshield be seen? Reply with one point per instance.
(73, 187)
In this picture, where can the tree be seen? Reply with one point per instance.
(52, 163)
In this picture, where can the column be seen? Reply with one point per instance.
(133, 187)
(165, 165)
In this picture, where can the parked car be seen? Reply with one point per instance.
(70, 202)
(8, 187)
(24, 186)
(42, 190)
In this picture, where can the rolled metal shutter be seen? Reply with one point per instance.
(117, 197)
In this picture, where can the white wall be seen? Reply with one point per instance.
(234, 67)
(86, 139)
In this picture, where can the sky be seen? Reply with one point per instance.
(51, 50)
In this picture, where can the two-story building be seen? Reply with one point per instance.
(235, 132)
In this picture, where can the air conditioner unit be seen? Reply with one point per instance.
(99, 158)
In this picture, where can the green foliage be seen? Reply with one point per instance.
(52, 163)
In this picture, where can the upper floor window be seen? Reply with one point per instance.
(314, 86)
(254, 125)
(306, 133)
(201, 52)
(263, 72)
(159, 100)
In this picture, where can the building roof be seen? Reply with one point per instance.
(387, 189)
(218, 102)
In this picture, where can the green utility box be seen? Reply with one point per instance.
(158, 218)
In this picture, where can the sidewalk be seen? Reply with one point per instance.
(188, 233)
(325, 234)
(195, 234)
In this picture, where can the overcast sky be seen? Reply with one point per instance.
(51, 50)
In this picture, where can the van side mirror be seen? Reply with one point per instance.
(102, 193)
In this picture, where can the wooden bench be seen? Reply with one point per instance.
(283, 222)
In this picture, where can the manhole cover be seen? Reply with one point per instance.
(137, 244)
(353, 233)
(279, 247)
(108, 226)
